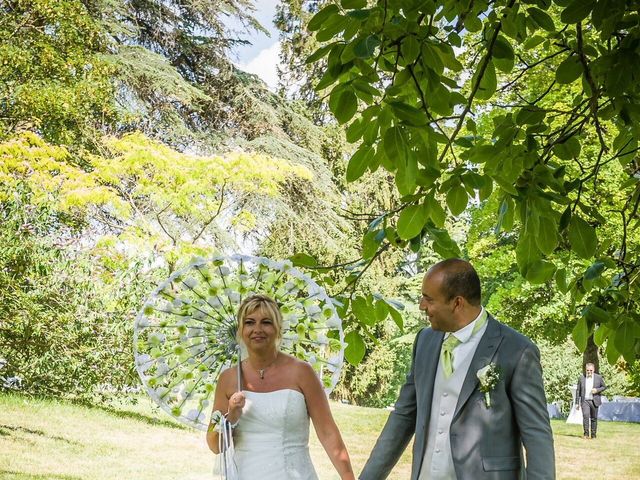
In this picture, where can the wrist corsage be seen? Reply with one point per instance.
(219, 422)
(489, 377)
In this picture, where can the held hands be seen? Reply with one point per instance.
(236, 404)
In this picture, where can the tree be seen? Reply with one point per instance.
(414, 80)
(296, 76)
(53, 78)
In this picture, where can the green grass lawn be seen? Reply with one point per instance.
(43, 439)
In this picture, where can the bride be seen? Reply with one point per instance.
(270, 416)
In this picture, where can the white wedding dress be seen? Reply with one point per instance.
(272, 437)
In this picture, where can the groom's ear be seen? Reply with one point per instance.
(458, 302)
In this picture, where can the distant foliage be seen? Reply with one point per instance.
(65, 322)
(53, 78)
(377, 380)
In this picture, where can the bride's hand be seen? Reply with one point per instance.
(236, 404)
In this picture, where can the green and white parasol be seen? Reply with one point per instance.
(185, 334)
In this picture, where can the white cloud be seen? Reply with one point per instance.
(265, 65)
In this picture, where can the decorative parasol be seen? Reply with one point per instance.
(185, 333)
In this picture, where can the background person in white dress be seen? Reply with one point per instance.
(280, 393)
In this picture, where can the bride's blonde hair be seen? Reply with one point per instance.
(267, 305)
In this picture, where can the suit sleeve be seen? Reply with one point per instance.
(530, 411)
(602, 386)
(579, 392)
(397, 432)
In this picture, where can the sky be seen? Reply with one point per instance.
(262, 56)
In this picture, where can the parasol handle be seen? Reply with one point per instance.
(239, 369)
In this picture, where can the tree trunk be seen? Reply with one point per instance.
(590, 355)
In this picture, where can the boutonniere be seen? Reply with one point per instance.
(489, 377)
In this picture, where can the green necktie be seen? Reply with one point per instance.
(446, 354)
(451, 342)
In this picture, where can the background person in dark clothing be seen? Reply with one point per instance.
(588, 399)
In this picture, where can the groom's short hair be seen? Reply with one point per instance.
(459, 279)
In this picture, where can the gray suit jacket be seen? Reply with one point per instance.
(486, 443)
(598, 384)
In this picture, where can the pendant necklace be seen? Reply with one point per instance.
(261, 371)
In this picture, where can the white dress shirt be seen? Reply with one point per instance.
(588, 386)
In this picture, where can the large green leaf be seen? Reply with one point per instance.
(457, 199)
(411, 221)
(366, 47)
(359, 162)
(443, 244)
(533, 42)
(406, 174)
(577, 11)
(582, 237)
(354, 353)
(569, 149)
(332, 26)
(505, 215)
(612, 352)
(483, 153)
(397, 317)
(488, 82)
(595, 314)
(625, 338)
(569, 70)
(502, 48)
(601, 334)
(594, 271)
(409, 114)
(542, 18)
(472, 23)
(431, 58)
(561, 280)
(303, 260)
(547, 238)
(530, 115)
(395, 145)
(356, 130)
(580, 334)
(319, 18)
(436, 212)
(382, 310)
(363, 310)
(371, 242)
(319, 53)
(343, 104)
(410, 49)
(539, 271)
(526, 252)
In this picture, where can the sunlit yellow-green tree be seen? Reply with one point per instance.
(142, 193)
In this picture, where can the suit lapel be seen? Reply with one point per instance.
(424, 381)
(431, 359)
(484, 353)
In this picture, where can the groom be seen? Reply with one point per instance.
(460, 431)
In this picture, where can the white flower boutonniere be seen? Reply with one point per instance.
(489, 377)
